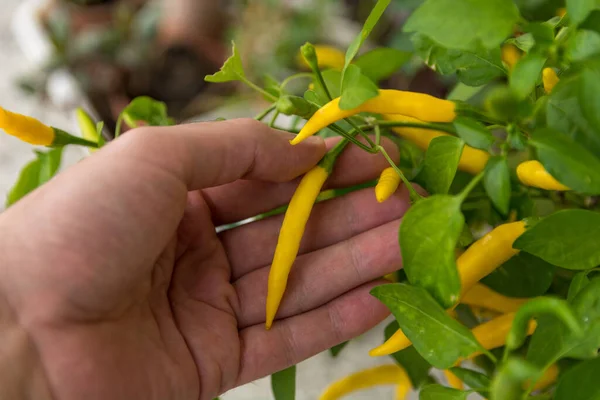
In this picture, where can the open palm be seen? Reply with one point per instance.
(116, 276)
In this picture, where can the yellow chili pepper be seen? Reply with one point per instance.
(292, 229)
(389, 180)
(27, 129)
(418, 105)
(482, 296)
(472, 160)
(327, 57)
(290, 235)
(510, 55)
(478, 261)
(453, 380)
(391, 374)
(493, 333)
(533, 173)
(547, 379)
(550, 79)
(488, 253)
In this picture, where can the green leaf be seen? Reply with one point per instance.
(428, 236)
(565, 113)
(474, 133)
(583, 45)
(475, 380)
(566, 239)
(439, 338)
(417, 368)
(337, 349)
(381, 63)
(283, 384)
(589, 97)
(35, 174)
(557, 308)
(356, 88)
(523, 275)
(441, 163)
(568, 161)
(579, 281)
(580, 382)
(579, 9)
(497, 183)
(464, 24)
(587, 307)
(553, 341)
(148, 110)
(526, 74)
(439, 392)
(333, 80)
(524, 42)
(232, 69)
(472, 67)
(463, 92)
(370, 23)
(509, 381)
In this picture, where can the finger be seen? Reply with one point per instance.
(252, 246)
(323, 275)
(300, 337)
(244, 199)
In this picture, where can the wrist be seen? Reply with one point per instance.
(22, 373)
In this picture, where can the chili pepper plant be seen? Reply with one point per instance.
(499, 287)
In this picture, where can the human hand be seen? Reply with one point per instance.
(115, 283)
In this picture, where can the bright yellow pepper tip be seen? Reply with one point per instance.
(390, 374)
(532, 173)
(389, 180)
(27, 129)
(417, 105)
(511, 55)
(549, 79)
(290, 236)
(482, 296)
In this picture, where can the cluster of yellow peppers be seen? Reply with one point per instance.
(479, 260)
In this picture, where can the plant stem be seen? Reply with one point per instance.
(352, 139)
(287, 80)
(119, 125)
(434, 127)
(377, 135)
(258, 89)
(328, 160)
(264, 113)
(321, 81)
(465, 192)
(274, 119)
(414, 196)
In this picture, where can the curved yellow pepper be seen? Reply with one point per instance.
(327, 57)
(549, 79)
(533, 173)
(390, 374)
(493, 333)
(482, 296)
(418, 105)
(389, 180)
(472, 160)
(478, 261)
(27, 129)
(511, 55)
(290, 236)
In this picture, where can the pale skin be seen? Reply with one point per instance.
(114, 284)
